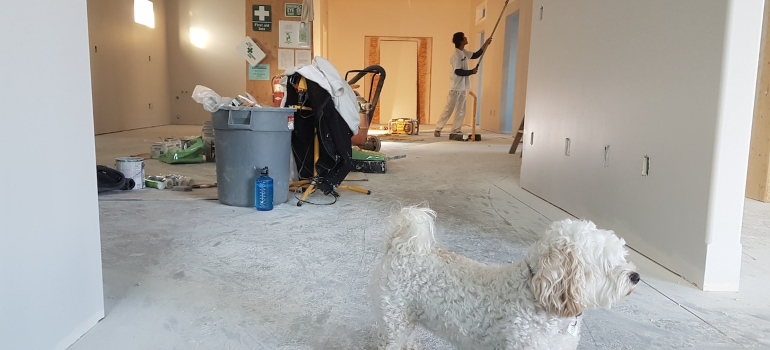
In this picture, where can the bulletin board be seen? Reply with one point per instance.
(278, 36)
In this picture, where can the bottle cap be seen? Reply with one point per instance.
(264, 171)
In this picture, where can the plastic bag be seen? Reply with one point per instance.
(210, 100)
(192, 154)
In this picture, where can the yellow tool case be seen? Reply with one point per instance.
(404, 126)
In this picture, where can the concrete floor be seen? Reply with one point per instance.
(182, 271)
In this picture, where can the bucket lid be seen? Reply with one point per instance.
(129, 159)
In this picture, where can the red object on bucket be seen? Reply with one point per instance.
(277, 99)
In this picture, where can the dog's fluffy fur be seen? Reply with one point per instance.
(533, 304)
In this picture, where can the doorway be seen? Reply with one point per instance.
(424, 58)
(399, 96)
(509, 72)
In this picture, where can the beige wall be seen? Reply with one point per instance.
(133, 91)
(128, 67)
(493, 60)
(349, 21)
(320, 27)
(217, 65)
(126, 82)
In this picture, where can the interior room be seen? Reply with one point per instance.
(646, 118)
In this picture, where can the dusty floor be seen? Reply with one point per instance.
(182, 271)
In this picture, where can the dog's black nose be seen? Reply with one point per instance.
(634, 277)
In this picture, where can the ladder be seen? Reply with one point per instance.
(517, 138)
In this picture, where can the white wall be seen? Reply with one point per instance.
(673, 80)
(50, 256)
(217, 65)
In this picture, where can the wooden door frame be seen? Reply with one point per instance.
(424, 59)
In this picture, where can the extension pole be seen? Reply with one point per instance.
(493, 31)
(473, 126)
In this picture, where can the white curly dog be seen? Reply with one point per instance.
(533, 304)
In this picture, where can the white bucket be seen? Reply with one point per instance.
(132, 168)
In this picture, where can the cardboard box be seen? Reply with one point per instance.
(158, 149)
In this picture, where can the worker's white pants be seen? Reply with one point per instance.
(455, 101)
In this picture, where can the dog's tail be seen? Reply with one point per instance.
(412, 230)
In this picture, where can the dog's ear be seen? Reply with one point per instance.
(558, 279)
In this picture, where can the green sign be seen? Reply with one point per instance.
(259, 72)
(293, 10)
(261, 18)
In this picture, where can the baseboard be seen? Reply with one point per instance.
(80, 330)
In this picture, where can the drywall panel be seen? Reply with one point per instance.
(129, 67)
(50, 255)
(670, 81)
(202, 36)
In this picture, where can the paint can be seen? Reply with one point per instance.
(179, 180)
(155, 184)
(167, 183)
(132, 168)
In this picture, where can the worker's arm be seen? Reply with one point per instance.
(464, 72)
(478, 53)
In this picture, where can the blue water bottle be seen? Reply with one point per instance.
(263, 192)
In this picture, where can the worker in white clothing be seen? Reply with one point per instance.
(460, 83)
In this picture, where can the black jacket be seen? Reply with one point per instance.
(334, 136)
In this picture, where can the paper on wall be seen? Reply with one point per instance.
(293, 34)
(250, 51)
(302, 58)
(285, 59)
(259, 72)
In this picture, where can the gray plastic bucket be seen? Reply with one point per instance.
(249, 139)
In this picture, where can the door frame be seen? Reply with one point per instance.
(510, 62)
(479, 83)
(424, 59)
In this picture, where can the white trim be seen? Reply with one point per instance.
(481, 12)
(80, 330)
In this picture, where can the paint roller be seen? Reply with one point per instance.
(493, 32)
